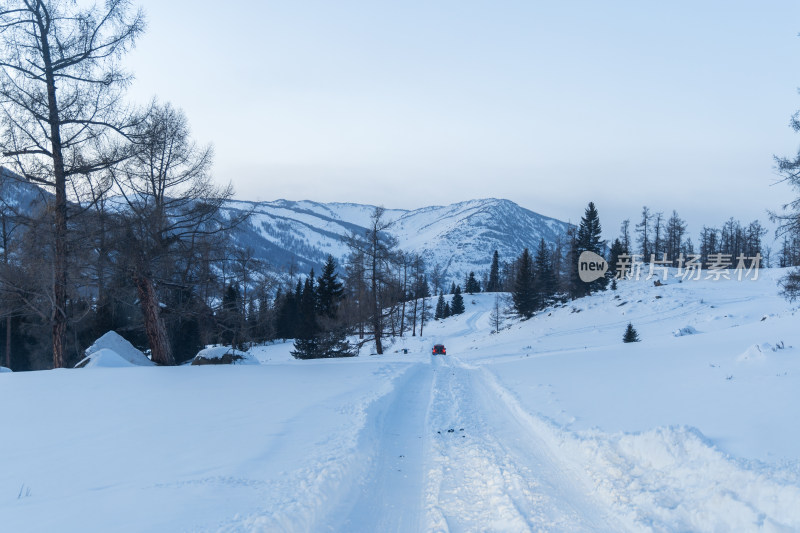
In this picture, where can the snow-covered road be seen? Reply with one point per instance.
(552, 424)
(450, 451)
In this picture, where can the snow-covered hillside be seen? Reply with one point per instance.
(552, 424)
(460, 237)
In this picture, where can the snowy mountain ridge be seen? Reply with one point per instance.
(460, 237)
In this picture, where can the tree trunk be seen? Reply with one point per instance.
(422, 318)
(153, 323)
(377, 323)
(8, 342)
(59, 316)
(403, 318)
(414, 319)
(8, 318)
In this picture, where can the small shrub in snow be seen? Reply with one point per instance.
(323, 346)
(223, 355)
(630, 334)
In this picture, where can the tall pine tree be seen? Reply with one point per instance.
(590, 238)
(439, 313)
(457, 307)
(524, 294)
(329, 290)
(617, 249)
(494, 274)
(544, 275)
(472, 286)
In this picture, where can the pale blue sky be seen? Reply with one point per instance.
(677, 105)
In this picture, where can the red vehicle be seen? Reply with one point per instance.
(439, 349)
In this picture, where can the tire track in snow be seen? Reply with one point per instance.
(490, 472)
(388, 497)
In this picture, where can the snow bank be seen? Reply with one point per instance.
(223, 355)
(758, 352)
(105, 358)
(115, 342)
(4, 369)
(687, 330)
(672, 479)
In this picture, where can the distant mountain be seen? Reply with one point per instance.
(459, 237)
(19, 195)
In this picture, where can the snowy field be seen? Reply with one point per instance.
(553, 424)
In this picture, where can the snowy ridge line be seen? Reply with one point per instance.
(670, 478)
(459, 237)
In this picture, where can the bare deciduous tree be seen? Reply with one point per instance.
(377, 249)
(60, 88)
(171, 208)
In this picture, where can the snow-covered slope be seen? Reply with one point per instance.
(552, 424)
(19, 195)
(459, 238)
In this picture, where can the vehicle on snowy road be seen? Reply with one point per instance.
(439, 349)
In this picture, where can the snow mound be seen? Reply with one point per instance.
(674, 479)
(105, 358)
(687, 330)
(223, 355)
(4, 369)
(116, 343)
(756, 352)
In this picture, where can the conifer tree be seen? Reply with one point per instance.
(285, 315)
(494, 274)
(544, 275)
(572, 281)
(590, 238)
(306, 348)
(457, 307)
(231, 316)
(617, 249)
(307, 323)
(524, 294)
(447, 311)
(630, 334)
(439, 313)
(329, 290)
(472, 286)
(452, 288)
